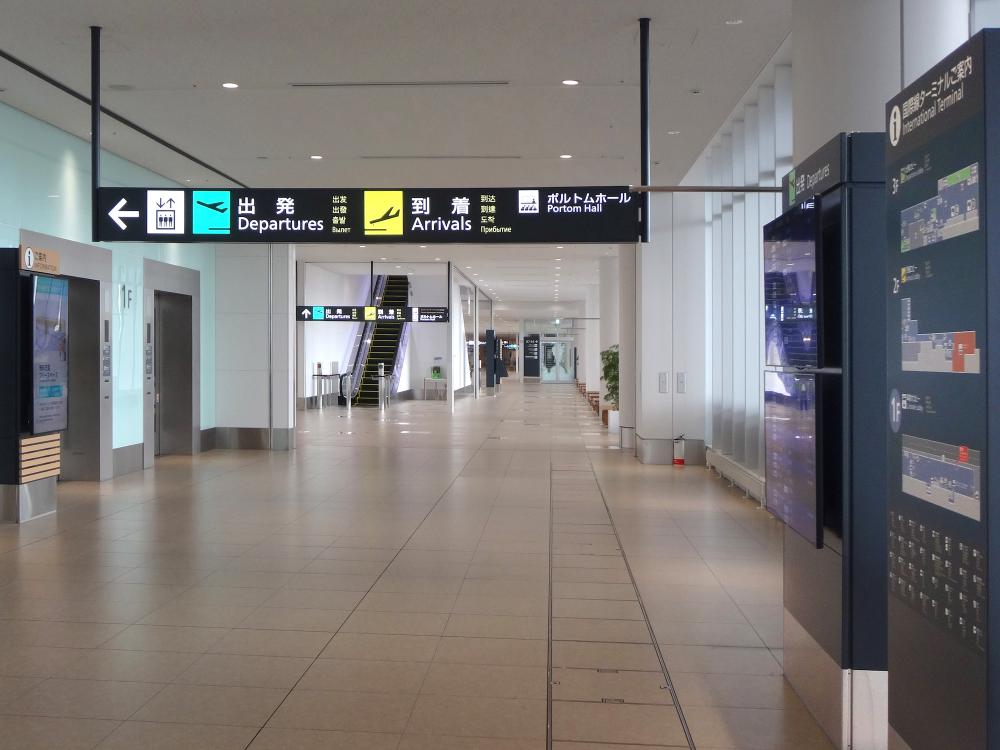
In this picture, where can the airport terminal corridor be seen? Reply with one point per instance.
(404, 579)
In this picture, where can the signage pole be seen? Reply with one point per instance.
(95, 127)
(644, 123)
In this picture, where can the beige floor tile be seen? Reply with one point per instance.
(12, 688)
(154, 736)
(608, 631)
(345, 711)
(512, 651)
(370, 646)
(367, 676)
(128, 666)
(219, 705)
(511, 606)
(755, 729)
(720, 660)
(605, 656)
(393, 623)
(281, 618)
(438, 742)
(497, 626)
(85, 699)
(73, 634)
(224, 596)
(165, 638)
(599, 609)
(706, 634)
(306, 599)
(197, 615)
(613, 591)
(47, 733)
(416, 585)
(245, 671)
(734, 691)
(596, 686)
(483, 680)
(478, 717)
(36, 661)
(272, 738)
(271, 642)
(398, 602)
(621, 723)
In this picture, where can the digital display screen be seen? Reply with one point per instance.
(790, 450)
(50, 365)
(790, 302)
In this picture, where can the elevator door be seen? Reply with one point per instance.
(173, 392)
(81, 444)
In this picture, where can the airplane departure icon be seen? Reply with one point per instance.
(389, 214)
(214, 206)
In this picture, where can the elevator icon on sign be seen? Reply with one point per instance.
(165, 213)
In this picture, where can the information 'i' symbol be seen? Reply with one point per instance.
(895, 125)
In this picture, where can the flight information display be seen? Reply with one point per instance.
(790, 295)
(790, 450)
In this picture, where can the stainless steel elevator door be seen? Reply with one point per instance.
(173, 389)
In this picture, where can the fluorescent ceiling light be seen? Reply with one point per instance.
(317, 157)
(230, 85)
(565, 156)
(571, 82)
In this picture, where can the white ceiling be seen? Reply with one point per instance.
(174, 56)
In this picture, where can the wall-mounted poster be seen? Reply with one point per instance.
(50, 366)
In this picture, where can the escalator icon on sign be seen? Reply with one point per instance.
(383, 212)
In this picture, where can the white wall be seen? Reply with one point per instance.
(846, 66)
(427, 340)
(327, 342)
(242, 324)
(931, 29)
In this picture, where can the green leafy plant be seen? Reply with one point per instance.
(609, 373)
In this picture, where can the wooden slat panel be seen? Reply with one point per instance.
(40, 461)
(41, 475)
(41, 451)
(36, 439)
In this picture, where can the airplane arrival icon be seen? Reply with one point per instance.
(390, 213)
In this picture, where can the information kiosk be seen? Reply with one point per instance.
(824, 380)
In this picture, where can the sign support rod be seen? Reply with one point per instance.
(703, 189)
(95, 126)
(644, 123)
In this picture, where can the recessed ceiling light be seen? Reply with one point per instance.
(734, 21)
(398, 266)
(559, 247)
(379, 258)
(558, 268)
(558, 258)
(423, 246)
(317, 157)
(694, 91)
(53, 196)
(673, 132)
(565, 156)
(230, 85)
(362, 245)
(437, 259)
(571, 82)
(468, 268)
(187, 179)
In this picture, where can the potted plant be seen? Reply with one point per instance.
(609, 374)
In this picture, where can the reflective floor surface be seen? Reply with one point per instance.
(500, 579)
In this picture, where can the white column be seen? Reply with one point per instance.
(592, 349)
(931, 29)
(845, 64)
(654, 336)
(626, 345)
(282, 347)
(609, 309)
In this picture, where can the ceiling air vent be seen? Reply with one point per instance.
(363, 84)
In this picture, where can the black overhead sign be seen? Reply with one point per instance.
(361, 216)
(359, 313)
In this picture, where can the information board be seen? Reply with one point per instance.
(358, 215)
(532, 355)
(936, 159)
(362, 313)
(49, 365)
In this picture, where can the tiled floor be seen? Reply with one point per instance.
(406, 583)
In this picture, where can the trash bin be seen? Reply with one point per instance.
(689, 451)
(679, 450)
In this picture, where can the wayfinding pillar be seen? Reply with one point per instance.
(943, 302)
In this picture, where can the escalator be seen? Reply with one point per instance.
(385, 341)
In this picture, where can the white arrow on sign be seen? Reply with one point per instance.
(306, 313)
(117, 214)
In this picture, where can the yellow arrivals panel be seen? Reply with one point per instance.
(384, 212)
